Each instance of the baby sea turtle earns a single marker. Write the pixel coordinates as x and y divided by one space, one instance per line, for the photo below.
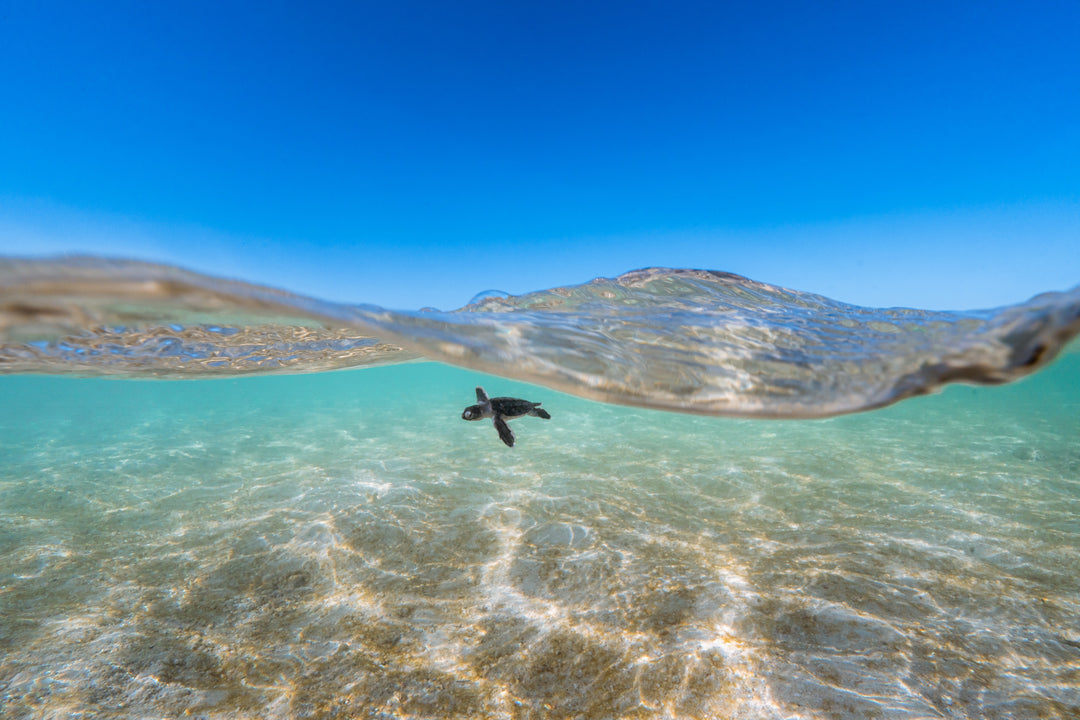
500 410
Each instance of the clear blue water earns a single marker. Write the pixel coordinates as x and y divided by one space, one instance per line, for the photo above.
343 544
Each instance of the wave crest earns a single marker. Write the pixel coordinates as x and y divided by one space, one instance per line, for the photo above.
685 340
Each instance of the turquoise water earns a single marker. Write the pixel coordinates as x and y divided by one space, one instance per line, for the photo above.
343 545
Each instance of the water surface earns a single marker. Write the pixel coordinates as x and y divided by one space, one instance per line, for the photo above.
342 544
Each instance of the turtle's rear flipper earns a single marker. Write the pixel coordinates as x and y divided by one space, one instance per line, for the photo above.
505 433
541 413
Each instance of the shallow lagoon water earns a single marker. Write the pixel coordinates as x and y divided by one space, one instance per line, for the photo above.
344 545
336 545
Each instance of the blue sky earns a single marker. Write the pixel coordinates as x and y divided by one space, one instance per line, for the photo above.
411 154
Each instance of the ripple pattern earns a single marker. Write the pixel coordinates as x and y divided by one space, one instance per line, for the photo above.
330 546
692 341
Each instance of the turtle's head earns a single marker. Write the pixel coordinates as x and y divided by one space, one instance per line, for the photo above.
473 412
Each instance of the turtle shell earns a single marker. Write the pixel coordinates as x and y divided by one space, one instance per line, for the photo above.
511 407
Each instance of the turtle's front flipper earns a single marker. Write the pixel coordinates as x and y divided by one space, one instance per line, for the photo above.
505 433
481 396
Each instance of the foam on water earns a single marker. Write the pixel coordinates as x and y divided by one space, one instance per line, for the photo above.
343 545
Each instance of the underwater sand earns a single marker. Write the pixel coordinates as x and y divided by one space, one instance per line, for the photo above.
343 545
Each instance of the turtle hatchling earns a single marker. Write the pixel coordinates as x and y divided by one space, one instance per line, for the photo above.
500 410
